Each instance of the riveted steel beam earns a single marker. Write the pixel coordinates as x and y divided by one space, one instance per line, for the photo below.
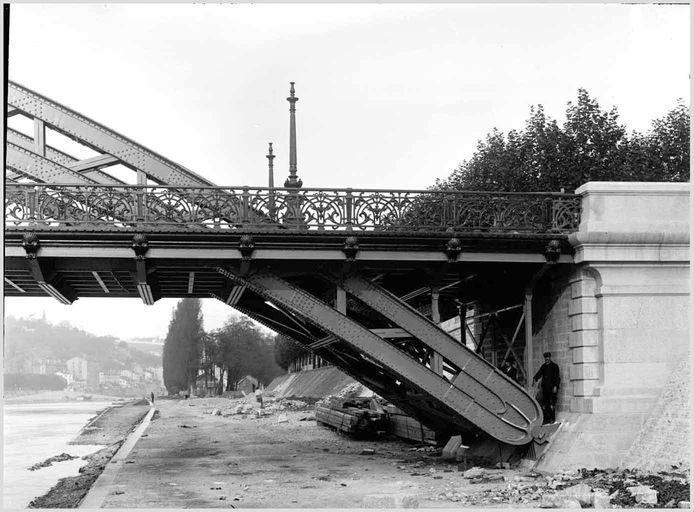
360 369
51 283
59 157
469 397
31 164
475 374
93 163
100 138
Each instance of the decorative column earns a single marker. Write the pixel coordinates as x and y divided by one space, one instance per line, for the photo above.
271 173
293 216
292 181
271 180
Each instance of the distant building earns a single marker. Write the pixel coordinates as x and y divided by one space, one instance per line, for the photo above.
127 374
77 367
157 372
66 376
248 384
110 379
93 374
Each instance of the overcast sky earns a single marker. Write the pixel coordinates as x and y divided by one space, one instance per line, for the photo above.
390 96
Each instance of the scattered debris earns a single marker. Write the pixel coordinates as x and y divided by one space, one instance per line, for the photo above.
368 451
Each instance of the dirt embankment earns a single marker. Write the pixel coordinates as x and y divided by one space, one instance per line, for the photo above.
110 427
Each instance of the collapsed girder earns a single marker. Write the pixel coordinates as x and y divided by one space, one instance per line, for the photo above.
476 393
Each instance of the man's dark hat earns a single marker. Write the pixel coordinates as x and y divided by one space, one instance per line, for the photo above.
547 354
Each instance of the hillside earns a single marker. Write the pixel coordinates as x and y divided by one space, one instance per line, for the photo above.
29 340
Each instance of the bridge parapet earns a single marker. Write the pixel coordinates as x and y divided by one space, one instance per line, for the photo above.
159 208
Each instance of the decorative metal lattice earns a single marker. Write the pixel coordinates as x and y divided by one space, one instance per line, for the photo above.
228 208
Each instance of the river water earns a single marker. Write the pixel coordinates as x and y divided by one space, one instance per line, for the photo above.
32 433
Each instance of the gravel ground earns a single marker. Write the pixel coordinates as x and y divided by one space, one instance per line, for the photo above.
198 453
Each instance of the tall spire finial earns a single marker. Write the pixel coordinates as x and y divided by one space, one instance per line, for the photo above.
292 181
271 173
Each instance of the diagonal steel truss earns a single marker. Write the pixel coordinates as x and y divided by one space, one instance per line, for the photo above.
477 394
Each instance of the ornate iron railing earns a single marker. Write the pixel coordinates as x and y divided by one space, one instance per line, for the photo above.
114 207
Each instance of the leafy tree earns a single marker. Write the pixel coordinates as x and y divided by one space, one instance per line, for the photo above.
240 349
33 381
287 350
182 346
591 146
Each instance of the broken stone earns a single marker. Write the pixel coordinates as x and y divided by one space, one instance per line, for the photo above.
216 412
580 492
390 501
683 504
473 472
558 501
368 451
601 500
451 447
282 418
644 494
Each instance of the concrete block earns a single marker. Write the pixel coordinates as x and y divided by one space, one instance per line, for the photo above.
584 321
583 305
584 338
585 355
585 371
398 500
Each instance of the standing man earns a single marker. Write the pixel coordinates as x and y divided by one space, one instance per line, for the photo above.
510 370
152 395
549 378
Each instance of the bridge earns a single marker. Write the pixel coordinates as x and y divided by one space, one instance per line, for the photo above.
360 277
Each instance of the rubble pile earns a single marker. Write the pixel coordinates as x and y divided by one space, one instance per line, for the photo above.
574 489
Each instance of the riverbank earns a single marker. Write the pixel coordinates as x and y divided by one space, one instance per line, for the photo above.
218 452
58 396
110 427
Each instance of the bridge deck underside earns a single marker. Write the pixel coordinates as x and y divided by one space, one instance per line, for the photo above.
382 334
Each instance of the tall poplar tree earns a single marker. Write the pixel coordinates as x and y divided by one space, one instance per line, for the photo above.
182 346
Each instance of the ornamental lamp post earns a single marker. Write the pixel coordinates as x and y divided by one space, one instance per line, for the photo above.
271 180
292 181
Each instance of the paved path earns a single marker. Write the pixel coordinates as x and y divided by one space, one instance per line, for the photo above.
103 485
189 459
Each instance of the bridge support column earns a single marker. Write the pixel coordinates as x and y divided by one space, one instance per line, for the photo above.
48 281
627 306
436 359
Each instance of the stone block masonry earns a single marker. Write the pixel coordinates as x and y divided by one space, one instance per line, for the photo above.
664 439
628 316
